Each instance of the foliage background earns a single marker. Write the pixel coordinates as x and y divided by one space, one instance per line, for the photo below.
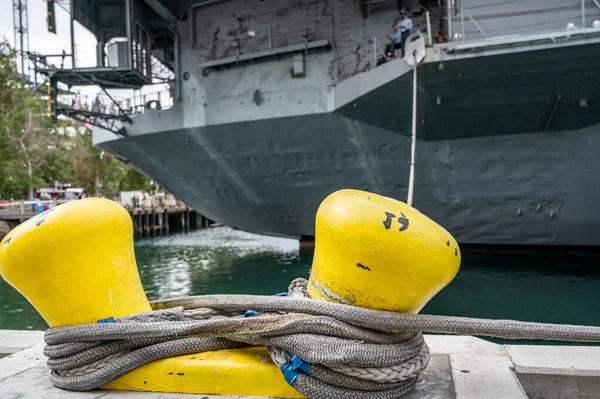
37 151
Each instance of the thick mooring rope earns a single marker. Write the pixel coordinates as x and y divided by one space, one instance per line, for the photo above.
325 350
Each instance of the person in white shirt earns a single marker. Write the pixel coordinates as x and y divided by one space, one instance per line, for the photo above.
402 29
405 26
395 44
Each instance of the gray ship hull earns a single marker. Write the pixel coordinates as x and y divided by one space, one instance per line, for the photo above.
269 176
507 152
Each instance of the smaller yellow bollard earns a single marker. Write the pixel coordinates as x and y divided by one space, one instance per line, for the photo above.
75 263
379 253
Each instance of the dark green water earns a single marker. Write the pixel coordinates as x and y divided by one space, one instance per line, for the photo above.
545 287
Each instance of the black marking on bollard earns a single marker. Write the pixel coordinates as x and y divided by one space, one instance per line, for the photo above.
388 221
403 221
363 267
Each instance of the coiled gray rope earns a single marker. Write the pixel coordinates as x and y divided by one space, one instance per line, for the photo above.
326 350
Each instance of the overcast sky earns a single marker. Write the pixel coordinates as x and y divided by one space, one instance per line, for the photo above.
40 40
43 42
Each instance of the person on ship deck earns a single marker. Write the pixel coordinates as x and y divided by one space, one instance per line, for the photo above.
402 28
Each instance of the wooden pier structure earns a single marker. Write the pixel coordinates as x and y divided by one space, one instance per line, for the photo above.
158 221
17 214
148 221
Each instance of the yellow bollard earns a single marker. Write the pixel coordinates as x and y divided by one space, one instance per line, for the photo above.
379 253
76 265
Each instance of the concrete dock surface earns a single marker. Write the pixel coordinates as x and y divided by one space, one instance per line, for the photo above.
461 367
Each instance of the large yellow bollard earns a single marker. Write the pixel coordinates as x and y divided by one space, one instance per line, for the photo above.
76 265
376 252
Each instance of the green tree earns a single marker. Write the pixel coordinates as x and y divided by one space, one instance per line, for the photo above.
36 150
101 173
28 135
25 126
135 181
8 79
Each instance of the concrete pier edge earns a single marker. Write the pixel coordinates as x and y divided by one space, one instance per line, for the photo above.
462 367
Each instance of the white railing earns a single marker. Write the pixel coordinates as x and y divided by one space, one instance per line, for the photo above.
115 105
376 50
467 18
464 11
247 41
25 206
583 15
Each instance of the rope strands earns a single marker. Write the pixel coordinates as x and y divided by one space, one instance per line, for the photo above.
325 350
371 252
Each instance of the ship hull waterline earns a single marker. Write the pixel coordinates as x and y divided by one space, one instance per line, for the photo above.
497 161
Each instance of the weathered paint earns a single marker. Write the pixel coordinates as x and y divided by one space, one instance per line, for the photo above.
379 253
247 371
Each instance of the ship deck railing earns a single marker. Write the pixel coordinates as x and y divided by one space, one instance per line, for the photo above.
99 104
489 20
519 40
247 46
266 53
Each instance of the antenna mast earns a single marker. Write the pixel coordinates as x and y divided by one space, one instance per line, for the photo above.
21 28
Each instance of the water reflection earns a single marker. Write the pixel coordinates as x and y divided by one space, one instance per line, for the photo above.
16 313
219 260
542 286
547 286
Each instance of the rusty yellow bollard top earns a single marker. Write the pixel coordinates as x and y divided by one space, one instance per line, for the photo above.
379 253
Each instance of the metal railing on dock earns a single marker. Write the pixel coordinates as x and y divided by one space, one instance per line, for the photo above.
17 212
148 221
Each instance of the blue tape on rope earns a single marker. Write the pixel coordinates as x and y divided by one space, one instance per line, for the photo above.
250 313
103 321
292 369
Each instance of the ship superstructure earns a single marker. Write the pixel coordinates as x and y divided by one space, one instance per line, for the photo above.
276 104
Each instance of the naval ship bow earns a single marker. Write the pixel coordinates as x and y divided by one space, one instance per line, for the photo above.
271 105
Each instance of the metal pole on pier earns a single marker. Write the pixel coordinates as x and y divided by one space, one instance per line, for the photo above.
413 148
